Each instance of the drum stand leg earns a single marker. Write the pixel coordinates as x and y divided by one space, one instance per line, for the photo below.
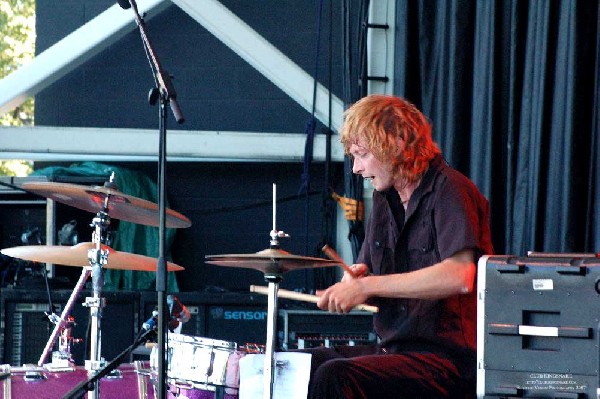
97 257
95 303
142 379
273 280
5 383
60 323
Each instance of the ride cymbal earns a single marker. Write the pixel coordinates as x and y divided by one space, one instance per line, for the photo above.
120 206
77 255
269 261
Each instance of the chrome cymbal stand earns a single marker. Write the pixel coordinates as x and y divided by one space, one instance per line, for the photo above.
97 258
273 276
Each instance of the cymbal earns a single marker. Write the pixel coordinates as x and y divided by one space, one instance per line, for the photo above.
269 261
77 255
120 206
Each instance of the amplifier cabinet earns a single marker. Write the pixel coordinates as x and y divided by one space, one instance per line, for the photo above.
230 316
301 329
537 333
25 328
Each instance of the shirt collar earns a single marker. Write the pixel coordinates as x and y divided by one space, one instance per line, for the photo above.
436 165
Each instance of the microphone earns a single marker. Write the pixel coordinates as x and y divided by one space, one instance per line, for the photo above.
178 314
177 310
28 235
125 4
67 235
152 322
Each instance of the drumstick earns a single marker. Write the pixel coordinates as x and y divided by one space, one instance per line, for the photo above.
259 289
331 254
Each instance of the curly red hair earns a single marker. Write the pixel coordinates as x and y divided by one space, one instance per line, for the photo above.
376 121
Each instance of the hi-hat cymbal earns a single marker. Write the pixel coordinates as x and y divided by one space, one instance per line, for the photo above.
77 255
269 261
120 206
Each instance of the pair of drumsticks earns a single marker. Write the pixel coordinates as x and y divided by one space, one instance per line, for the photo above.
330 252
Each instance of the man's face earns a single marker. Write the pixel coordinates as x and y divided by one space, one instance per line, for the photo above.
370 168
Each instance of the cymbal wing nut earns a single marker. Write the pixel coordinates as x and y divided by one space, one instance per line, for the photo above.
92 302
98 257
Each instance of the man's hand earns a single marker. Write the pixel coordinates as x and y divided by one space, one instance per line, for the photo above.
359 269
343 296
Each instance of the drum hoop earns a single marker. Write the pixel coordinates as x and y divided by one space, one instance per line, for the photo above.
201 341
183 384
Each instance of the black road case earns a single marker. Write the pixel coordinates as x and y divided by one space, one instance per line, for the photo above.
537 326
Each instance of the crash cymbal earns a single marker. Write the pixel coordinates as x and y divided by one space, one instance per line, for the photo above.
77 255
269 261
120 206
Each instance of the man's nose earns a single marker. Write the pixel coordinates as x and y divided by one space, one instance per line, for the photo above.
356 167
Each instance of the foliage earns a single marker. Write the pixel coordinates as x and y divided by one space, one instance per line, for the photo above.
15 168
17 48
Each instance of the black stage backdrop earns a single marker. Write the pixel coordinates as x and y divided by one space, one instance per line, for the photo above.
512 89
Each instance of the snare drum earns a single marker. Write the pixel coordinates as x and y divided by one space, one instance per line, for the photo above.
205 361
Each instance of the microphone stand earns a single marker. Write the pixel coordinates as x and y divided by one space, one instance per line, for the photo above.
166 92
88 385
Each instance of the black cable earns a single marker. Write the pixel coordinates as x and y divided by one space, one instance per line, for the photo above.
354 87
326 276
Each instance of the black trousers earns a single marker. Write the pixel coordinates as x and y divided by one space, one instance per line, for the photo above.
348 372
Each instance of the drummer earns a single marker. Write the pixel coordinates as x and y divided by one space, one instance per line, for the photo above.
428 227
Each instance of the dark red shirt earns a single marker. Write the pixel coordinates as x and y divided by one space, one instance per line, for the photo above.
446 214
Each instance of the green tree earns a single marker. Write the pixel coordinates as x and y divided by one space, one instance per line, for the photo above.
17 48
15 168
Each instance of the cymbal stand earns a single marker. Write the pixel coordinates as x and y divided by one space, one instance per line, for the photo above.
273 277
101 235
97 258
